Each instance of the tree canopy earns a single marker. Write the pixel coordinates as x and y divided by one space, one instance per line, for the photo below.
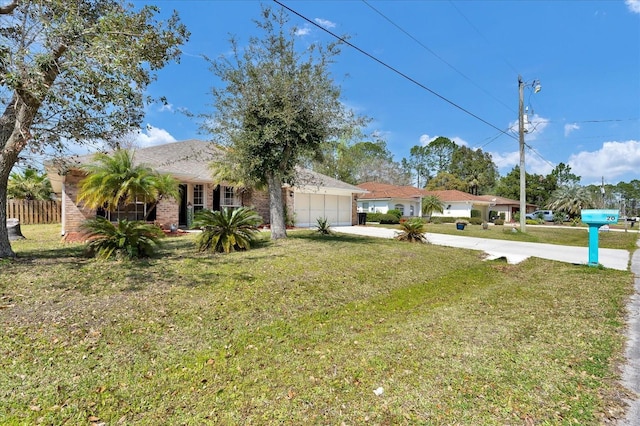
115 180
29 185
276 107
74 72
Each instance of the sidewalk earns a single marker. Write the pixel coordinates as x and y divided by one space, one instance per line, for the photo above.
513 251
516 252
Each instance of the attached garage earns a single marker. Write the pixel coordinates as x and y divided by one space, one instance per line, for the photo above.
308 207
320 196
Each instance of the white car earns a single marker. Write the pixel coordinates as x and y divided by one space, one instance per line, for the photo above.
546 215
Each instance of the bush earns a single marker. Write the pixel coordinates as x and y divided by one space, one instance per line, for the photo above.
499 221
442 219
503 216
227 230
373 217
124 240
475 221
396 213
322 226
559 217
476 213
413 231
386 219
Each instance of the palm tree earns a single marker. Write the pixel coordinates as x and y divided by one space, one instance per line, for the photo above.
29 185
227 230
413 231
431 204
115 180
123 240
571 199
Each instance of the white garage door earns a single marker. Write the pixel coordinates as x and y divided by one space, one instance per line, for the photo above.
310 207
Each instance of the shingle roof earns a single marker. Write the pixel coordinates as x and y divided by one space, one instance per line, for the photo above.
379 191
501 201
189 161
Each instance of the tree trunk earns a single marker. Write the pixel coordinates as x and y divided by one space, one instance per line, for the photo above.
14 135
276 207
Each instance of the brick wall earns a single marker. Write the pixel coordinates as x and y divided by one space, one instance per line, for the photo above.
167 212
73 215
354 209
259 200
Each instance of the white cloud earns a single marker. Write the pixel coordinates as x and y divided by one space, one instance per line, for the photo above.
325 23
535 127
303 31
612 160
532 163
152 136
459 141
426 140
568 128
633 5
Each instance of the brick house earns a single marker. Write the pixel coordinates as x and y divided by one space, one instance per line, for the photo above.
314 195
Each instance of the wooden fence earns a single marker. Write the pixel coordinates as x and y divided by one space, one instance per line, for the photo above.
30 212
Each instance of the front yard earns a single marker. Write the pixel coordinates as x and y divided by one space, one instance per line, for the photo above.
303 331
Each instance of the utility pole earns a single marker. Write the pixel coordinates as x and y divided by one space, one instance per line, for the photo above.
521 131
523 174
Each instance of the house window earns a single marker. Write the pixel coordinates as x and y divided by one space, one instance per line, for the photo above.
399 207
411 210
230 197
365 207
133 211
198 197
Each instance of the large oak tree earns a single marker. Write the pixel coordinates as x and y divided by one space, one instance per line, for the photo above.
275 108
75 71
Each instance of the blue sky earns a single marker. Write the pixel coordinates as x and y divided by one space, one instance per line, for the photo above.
466 57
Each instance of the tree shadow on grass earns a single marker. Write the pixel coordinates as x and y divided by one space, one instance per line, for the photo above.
334 238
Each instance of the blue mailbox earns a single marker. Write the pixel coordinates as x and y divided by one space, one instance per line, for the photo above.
596 218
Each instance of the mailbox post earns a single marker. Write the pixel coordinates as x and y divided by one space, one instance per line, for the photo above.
596 218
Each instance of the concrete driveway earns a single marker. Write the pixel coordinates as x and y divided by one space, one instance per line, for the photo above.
513 251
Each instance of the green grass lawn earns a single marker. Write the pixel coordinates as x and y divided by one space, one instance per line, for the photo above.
302 331
569 236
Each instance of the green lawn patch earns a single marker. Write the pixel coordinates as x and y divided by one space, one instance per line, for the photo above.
302 331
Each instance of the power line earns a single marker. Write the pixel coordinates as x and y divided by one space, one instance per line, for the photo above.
405 76
486 92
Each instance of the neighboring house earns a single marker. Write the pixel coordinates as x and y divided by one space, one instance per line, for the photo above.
383 197
507 206
315 195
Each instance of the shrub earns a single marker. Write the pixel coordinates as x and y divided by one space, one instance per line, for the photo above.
503 216
386 219
373 217
227 230
413 230
559 217
322 226
499 221
475 221
476 213
442 219
396 213
123 240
